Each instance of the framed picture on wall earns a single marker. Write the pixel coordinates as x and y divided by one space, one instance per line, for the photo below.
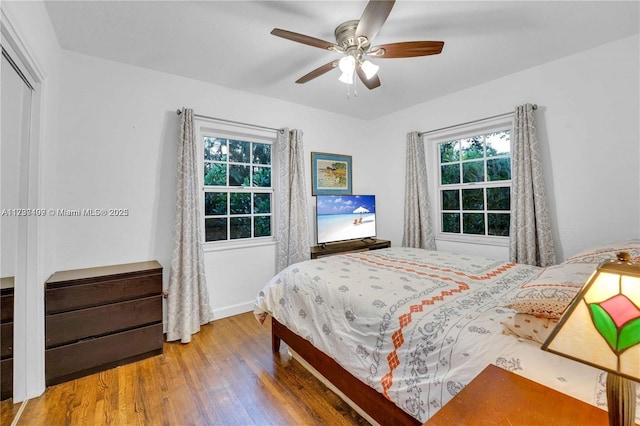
330 174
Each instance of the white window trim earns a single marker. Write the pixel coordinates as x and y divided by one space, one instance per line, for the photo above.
431 141
205 127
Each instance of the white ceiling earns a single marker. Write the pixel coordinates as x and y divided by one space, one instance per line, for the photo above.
228 43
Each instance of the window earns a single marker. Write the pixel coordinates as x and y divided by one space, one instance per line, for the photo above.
474 185
237 187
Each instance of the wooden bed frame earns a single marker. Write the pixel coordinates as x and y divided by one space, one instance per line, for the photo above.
372 402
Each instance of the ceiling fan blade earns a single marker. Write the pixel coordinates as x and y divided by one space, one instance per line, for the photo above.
318 72
407 49
373 17
304 39
371 83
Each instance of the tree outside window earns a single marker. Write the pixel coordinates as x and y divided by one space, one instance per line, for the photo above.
238 189
475 185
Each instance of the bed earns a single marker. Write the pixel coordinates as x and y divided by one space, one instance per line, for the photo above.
401 331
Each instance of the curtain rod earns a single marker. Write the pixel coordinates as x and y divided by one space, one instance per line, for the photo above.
471 122
240 123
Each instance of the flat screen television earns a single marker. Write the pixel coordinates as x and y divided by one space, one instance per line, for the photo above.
345 217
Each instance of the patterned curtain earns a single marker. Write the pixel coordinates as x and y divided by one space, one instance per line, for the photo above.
531 240
418 231
293 228
188 302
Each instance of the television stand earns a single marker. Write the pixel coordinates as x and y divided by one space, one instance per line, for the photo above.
330 249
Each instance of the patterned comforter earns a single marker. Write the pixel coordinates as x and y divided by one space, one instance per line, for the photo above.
417 325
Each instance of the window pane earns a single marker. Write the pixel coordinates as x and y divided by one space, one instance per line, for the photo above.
473 199
215 229
262 203
474 166
449 151
261 153
240 227
215 149
450 173
451 222
473 171
239 151
499 198
237 197
215 203
499 169
262 226
473 223
498 143
215 174
451 199
472 148
262 177
240 202
238 175
498 224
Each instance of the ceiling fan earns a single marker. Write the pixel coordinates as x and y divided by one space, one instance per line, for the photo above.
353 39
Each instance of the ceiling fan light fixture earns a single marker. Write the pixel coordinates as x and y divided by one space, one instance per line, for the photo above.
346 77
369 68
354 39
347 65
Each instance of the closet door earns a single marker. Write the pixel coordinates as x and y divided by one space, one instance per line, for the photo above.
16 111
14 186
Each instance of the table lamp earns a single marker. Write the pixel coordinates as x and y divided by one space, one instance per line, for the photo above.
601 328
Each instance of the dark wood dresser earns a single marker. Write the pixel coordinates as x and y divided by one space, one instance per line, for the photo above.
99 318
6 338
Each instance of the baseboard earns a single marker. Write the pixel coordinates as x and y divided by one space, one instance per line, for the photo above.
224 312
229 311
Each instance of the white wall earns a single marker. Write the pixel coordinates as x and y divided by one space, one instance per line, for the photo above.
588 109
118 150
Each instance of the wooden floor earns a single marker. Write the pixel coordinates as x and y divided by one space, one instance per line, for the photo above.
227 375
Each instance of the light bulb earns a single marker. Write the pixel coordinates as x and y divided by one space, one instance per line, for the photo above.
347 64
369 68
346 77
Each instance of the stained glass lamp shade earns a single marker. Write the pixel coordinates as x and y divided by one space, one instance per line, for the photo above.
601 328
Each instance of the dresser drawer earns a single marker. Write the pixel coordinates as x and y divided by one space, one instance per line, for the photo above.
86 357
6 378
6 306
62 298
69 327
6 340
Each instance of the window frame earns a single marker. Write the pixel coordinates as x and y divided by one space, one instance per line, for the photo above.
211 128
432 141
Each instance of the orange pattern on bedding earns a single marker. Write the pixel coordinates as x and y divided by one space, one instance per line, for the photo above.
405 319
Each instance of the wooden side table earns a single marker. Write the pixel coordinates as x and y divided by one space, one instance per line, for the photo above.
499 397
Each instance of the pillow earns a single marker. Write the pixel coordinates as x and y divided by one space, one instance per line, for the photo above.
529 327
548 294
607 251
